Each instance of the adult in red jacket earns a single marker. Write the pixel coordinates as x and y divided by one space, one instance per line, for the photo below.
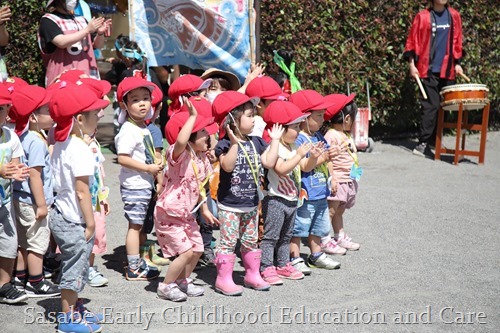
434 50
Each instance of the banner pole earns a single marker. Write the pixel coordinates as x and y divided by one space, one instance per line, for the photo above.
131 21
251 22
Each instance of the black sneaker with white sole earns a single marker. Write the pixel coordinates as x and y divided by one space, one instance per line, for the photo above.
42 289
10 295
421 149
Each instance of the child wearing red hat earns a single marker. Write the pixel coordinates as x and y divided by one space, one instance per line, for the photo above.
268 91
75 109
241 159
139 166
312 220
148 248
10 168
344 169
188 170
280 205
33 197
185 86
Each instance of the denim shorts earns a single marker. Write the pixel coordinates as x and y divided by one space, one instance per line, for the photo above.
75 251
8 233
312 219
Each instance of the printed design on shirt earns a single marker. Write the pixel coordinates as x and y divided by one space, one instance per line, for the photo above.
288 186
148 144
242 181
5 184
443 26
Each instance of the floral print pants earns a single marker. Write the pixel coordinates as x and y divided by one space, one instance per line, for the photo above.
234 226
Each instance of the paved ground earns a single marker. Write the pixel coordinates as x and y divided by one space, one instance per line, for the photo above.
429 263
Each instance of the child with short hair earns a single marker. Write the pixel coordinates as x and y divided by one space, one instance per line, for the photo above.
344 168
148 248
280 205
188 170
136 155
268 91
241 159
10 168
33 197
75 109
312 220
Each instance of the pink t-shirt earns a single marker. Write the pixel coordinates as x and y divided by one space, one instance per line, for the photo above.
182 181
342 163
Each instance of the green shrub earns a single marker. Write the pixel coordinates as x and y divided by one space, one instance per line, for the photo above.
23 55
336 42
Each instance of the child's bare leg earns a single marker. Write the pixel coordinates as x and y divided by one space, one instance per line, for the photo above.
133 238
6 266
22 259
68 300
191 265
176 269
295 247
314 243
338 220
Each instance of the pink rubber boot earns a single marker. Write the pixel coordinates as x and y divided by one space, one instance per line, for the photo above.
251 261
224 283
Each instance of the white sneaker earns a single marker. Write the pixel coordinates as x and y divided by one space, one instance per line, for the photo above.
187 287
170 292
323 262
300 265
96 279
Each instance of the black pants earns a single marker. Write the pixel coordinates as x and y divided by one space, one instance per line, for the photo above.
430 106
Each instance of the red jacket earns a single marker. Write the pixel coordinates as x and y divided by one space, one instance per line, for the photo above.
419 40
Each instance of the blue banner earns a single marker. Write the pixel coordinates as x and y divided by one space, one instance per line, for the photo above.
198 33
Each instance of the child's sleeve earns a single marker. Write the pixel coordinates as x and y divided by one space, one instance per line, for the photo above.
36 154
222 147
83 162
260 144
125 142
17 148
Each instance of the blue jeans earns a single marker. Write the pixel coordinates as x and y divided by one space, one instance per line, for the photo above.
312 219
75 251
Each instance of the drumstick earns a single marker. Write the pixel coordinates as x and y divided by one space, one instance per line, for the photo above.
420 86
464 76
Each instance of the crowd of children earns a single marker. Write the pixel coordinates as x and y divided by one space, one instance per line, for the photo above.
237 156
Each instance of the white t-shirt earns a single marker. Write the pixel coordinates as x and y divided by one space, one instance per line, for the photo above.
258 126
71 159
130 141
288 186
10 147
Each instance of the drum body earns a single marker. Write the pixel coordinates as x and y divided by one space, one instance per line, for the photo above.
472 96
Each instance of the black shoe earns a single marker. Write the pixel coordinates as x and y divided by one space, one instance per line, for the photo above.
10 295
51 266
420 149
207 259
18 284
42 289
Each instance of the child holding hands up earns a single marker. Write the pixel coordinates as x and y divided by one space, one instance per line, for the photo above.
241 159
188 170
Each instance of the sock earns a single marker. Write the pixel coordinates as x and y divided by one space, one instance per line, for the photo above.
179 281
315 255
35 279
338 236
21 275
326 239
133 261
293 258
